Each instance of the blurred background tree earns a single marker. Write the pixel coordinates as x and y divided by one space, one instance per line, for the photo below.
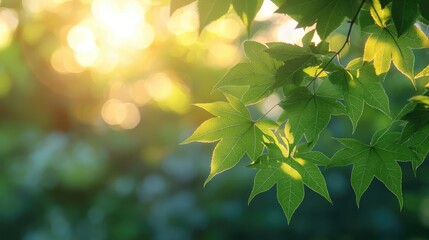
95 96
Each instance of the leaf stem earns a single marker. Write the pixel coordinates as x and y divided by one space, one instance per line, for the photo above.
337 53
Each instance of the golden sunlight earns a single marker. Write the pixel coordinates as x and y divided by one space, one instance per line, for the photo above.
8 23
123 114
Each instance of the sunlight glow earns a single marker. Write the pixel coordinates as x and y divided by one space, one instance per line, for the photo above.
266 11
81 39
269 104
184 20
286 168
118 113
8 23
139 92
63 61
223 55
37 6
159 87
288 32
123 23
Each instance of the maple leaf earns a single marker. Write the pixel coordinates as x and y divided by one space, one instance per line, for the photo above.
309 113
247 10
328 14
360 84
290 174
383 46
237 133
210 10
377 159
254 80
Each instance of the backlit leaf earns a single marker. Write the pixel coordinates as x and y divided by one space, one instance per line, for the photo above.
378 159
309 113
237 133
210 10
247 10
383 46
290 174
328 14
254 80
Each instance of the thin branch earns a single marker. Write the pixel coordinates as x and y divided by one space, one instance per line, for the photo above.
343 46
271 109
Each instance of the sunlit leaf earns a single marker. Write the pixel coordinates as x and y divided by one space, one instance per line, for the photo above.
290 174
210 10
360 84
328 14
378 159
423 73
309 113
383 46
237 133
247 10
254 80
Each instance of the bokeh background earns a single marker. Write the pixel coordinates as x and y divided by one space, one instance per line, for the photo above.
95 97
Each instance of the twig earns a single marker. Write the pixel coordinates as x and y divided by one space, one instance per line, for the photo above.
343 46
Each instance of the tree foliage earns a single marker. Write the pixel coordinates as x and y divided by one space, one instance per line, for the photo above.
315 87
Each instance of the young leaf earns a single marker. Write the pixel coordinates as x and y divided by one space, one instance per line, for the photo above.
252 81
404 14
210 10
376 160
237 133
383 47
176 4
247 10
328 14
309 113
290 174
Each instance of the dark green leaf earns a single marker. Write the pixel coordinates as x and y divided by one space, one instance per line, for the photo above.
404 14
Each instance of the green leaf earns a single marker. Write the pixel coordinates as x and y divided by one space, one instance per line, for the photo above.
424 9
176 4
265 179
360 84
247 10
376 160
285 52
290 174
308 113
252 81
379 13
423 73
420 142
210 10
383 46
328 14
237 133
384 3
404 14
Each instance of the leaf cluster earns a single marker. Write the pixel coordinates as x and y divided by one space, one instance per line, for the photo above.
315 87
